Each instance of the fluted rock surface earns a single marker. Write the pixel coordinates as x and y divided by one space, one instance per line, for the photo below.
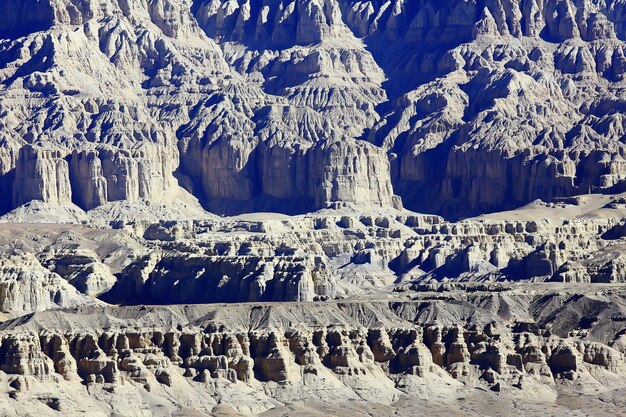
342 309
128 121
497 103
26 286
457 107
255 358
131 102
331 254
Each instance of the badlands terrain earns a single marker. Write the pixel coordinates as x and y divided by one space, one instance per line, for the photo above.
312 207
370 312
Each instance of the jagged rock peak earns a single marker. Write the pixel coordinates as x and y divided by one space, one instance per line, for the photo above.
249 106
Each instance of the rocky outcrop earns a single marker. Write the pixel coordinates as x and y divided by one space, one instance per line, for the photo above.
507 250
326 255
82 268
264 106
110 174
112 113
288 180
378 305
605 266
312 353
184 278
220 136
93 178
41 175
476 141
26 286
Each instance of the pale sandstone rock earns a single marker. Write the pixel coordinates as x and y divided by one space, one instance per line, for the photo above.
466 107
25 285
203 94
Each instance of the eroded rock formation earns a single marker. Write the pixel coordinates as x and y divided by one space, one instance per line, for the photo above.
307 348
458 108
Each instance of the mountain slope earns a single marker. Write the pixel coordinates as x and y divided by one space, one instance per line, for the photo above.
292 106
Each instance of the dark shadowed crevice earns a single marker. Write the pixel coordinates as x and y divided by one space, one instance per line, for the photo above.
21 17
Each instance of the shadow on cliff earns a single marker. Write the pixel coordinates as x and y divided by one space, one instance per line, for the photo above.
41 61
251 175
19 18
6 191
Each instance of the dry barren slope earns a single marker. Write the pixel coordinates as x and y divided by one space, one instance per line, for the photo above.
457 107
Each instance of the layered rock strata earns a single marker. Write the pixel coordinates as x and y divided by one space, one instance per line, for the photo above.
311 349
321 256
458 108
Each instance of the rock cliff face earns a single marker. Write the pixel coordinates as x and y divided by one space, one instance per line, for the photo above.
321 256
132 102
282 356
336 308
311 259
509 110
457 108
26 286
184 353
126 126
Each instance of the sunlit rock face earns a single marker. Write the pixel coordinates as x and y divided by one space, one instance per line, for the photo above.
497 103
130 131
456 107
110 101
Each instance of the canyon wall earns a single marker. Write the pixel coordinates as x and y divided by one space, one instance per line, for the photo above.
456 108
253 358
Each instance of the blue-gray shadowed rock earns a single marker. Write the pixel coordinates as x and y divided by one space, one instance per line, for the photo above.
205 207
458 108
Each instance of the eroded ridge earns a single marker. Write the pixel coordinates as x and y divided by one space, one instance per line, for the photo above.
374 351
